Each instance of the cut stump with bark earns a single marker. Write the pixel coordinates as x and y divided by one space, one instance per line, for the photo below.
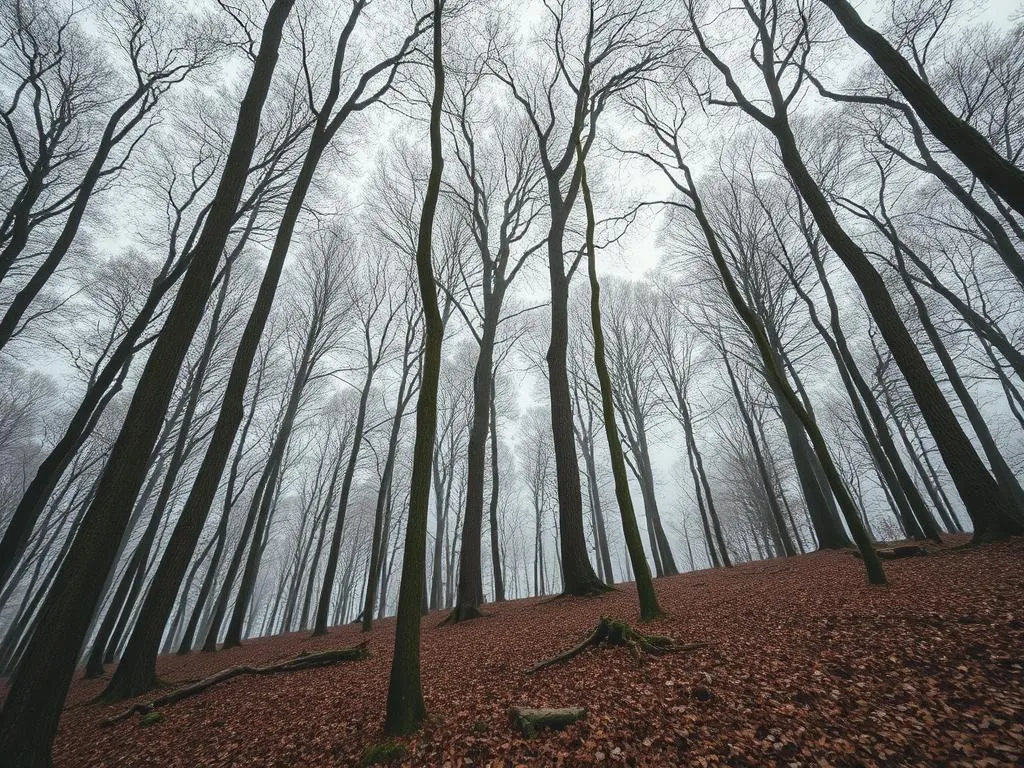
614 632
304 660
528 721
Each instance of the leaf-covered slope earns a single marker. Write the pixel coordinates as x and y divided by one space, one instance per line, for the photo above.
806 665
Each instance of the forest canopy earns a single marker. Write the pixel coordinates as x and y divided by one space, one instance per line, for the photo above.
317 313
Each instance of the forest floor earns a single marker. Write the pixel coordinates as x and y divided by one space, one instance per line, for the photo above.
807 666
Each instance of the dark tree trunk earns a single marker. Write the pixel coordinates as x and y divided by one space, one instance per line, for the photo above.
705 501
873 565
977 488
380 509
603 555
962 139
33 705
405 707
762 468
324 604
578 576
649 608
913 512
470 594
499 579
1010 488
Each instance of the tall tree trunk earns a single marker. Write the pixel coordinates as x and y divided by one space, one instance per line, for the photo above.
762 467
36 694
649 608
913 511
125 600
380 509
578 576
959 136
1010 488
323 606
405 707
872 563
708 514
977 488
471 585
496 561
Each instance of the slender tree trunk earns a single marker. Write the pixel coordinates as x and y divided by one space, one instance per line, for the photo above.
913 512
649 608
471 586
709 515
1013 495
35 697
405 707
872 563
977 488
762 467
496 561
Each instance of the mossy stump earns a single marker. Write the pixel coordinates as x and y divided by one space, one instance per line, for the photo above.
528 721
385 753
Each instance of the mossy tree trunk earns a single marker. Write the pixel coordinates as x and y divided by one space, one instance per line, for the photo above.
405 707
32 709
649 607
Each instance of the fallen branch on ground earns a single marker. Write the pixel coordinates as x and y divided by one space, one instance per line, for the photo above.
615 632
304 660
903 550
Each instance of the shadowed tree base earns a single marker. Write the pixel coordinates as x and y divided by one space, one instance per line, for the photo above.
463 613
589 588
999 530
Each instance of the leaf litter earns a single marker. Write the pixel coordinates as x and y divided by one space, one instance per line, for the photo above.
806 665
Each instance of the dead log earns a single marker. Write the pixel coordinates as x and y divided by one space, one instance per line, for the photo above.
304 660
903 550
528 721
613 632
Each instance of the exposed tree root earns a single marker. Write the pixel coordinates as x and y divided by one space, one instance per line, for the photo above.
615 632
589 589
303 660
529 721
898 551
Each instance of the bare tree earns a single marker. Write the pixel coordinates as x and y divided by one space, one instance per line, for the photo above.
162 48
781 34
405 707
599 48
41 681
498 195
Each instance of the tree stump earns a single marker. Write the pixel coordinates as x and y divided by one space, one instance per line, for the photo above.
528 721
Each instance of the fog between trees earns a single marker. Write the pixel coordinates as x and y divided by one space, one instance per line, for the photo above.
313 313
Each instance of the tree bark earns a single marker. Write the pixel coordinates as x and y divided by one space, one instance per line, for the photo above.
649 608
959 136
405 707
33 705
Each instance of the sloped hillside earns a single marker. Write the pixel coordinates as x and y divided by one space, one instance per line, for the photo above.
806 666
